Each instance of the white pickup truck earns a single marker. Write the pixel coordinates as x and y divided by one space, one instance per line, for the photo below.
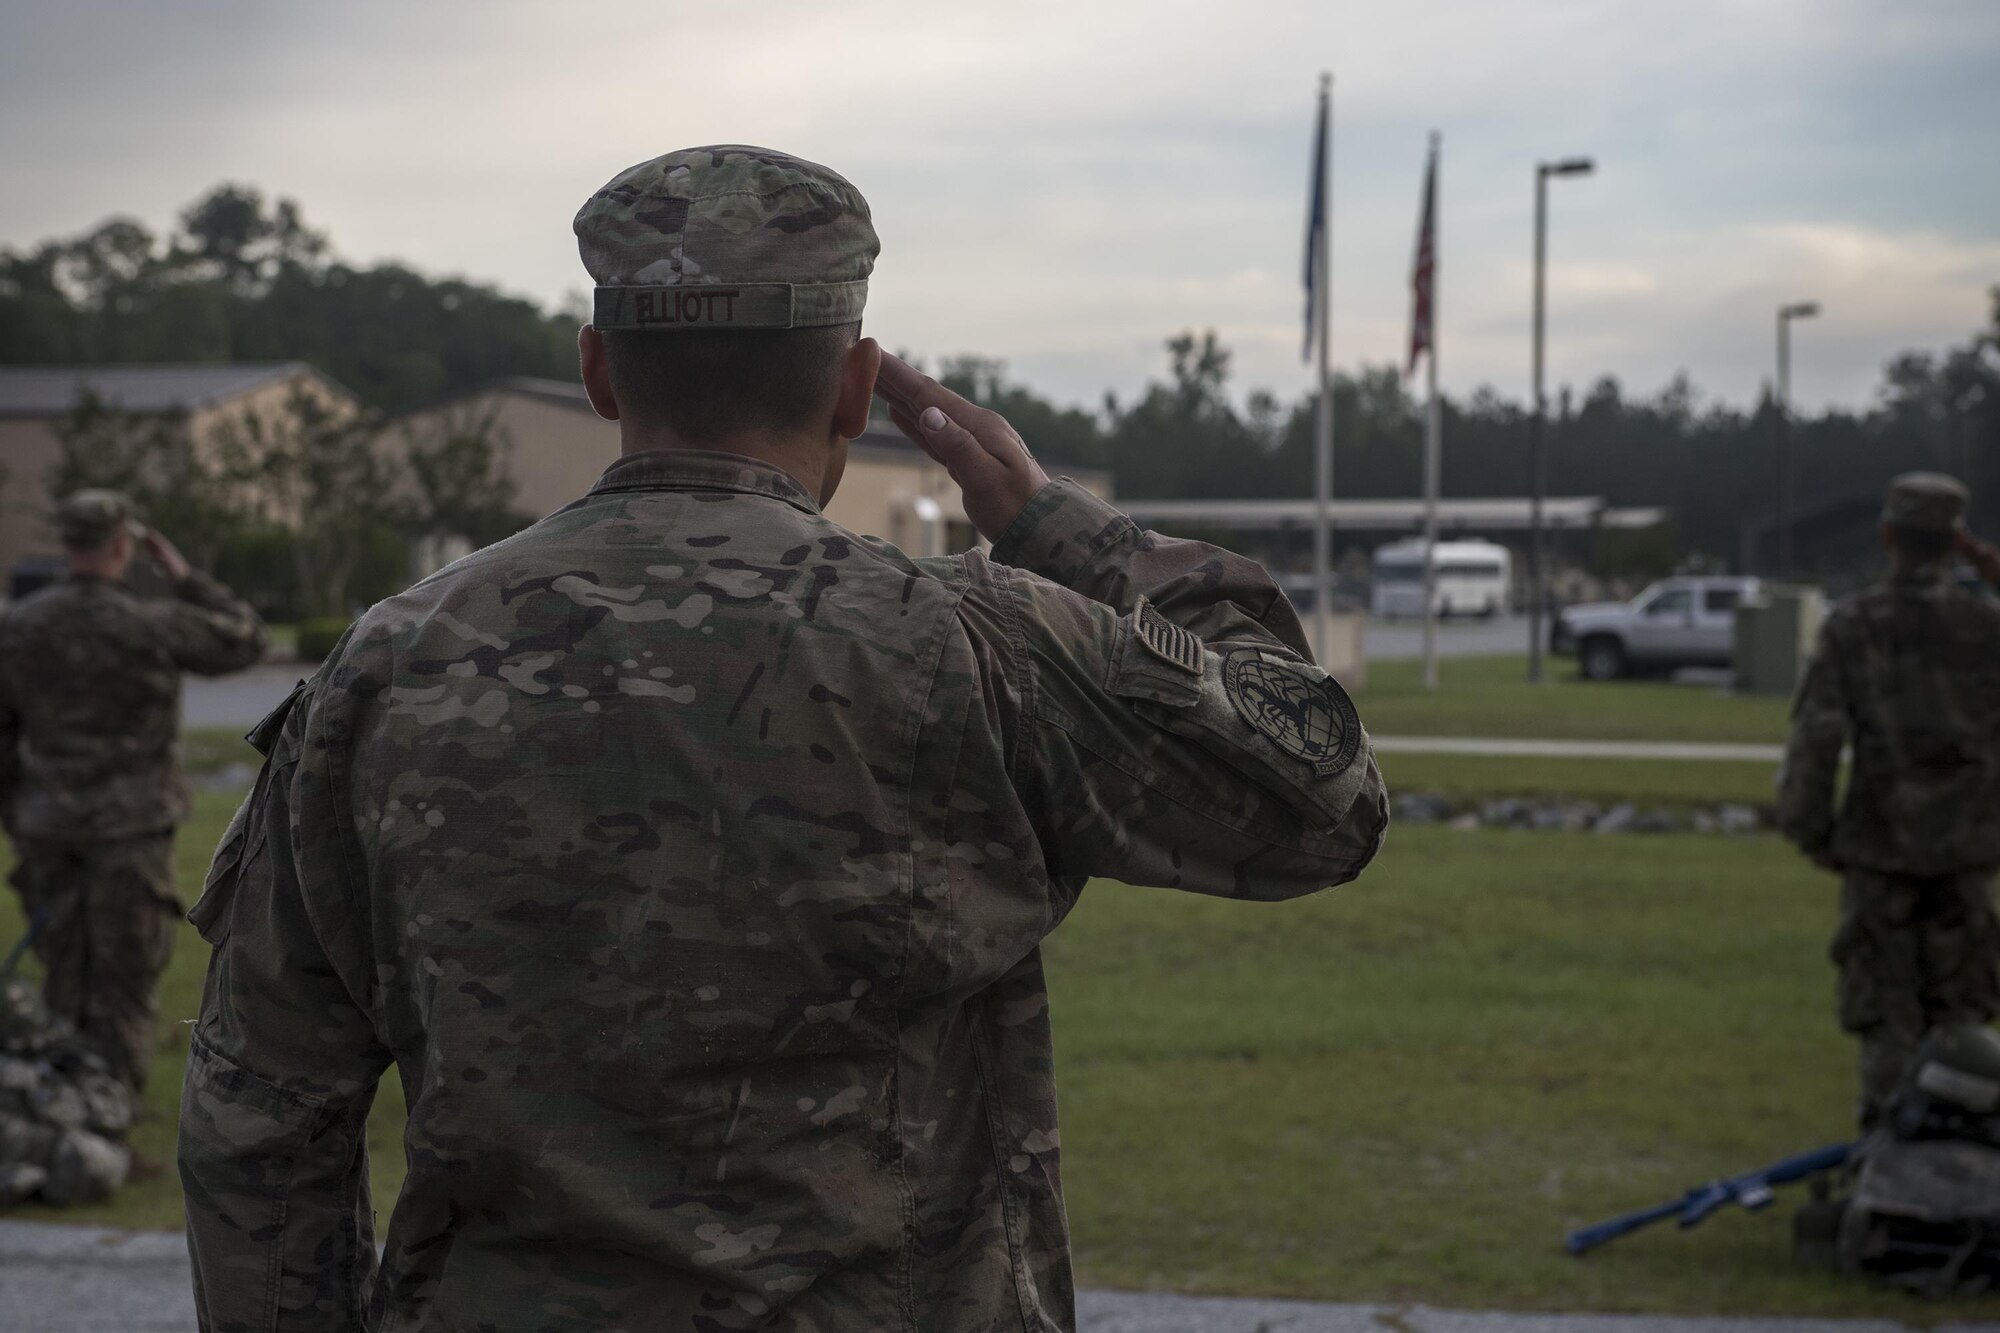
1677 622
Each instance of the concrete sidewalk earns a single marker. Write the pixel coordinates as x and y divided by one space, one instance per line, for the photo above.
65 1279
1541 749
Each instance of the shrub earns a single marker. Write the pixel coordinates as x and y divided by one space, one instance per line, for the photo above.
318 637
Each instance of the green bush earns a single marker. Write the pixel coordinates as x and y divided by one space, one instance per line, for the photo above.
255 560
317 638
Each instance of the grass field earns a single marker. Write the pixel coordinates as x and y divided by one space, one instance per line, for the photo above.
1643 781
1490 696
1407 1090
153 1198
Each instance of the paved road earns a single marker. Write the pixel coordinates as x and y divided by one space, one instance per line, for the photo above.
1403 640
238 701
64 1279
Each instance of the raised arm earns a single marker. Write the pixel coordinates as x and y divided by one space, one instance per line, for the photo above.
207 629
1168 725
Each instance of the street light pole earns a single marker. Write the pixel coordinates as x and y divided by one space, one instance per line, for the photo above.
1538 463
1786 314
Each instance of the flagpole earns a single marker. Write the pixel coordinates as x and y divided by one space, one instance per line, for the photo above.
1323 425
1433 441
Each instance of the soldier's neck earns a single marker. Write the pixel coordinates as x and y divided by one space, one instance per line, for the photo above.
1904 570
96 565
806 461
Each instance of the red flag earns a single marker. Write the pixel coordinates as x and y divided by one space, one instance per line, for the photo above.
1423 273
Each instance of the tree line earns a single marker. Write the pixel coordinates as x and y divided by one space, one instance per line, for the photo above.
244 278
1713 466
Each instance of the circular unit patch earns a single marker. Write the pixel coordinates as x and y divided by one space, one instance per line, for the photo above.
1309 718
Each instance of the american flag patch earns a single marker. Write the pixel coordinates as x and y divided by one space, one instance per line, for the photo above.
1168 641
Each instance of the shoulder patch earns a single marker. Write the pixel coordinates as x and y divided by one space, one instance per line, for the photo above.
1304 714
1169 642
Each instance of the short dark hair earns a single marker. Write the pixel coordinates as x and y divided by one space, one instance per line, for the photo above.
711 385
1923 546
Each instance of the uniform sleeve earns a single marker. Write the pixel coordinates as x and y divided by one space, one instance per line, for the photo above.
1070 537
1173 730
1812 750
208 629
282 1066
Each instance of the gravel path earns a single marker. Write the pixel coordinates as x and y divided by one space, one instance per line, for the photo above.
66 1279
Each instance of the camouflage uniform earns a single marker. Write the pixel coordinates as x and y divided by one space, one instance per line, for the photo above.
1908 672
689 856
91 787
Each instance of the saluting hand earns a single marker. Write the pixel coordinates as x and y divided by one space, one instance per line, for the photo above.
167 556
1984 556
983 454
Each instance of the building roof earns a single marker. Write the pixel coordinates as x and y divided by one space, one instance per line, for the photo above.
51 391
1499 513
880 437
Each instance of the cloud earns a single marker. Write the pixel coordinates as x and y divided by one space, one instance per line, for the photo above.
1064 185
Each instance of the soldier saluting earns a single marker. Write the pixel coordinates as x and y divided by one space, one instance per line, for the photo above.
90 782
1908 673
690 855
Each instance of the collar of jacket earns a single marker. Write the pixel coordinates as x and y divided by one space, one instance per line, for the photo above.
702 470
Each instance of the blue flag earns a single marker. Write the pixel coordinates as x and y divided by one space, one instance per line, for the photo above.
1315 223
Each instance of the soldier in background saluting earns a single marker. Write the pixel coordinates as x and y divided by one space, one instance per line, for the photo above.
1908 672
90 778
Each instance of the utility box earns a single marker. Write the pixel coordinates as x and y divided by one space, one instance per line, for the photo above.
1775 633
1342 652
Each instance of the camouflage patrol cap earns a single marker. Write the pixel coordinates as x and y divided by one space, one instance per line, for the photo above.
1925 502
92 518
727 237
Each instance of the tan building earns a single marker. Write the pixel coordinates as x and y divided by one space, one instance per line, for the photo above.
34 400
551 443
556 446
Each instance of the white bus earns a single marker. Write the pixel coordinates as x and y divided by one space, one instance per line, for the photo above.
1473 578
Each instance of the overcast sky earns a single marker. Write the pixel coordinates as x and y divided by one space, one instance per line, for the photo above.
1063 185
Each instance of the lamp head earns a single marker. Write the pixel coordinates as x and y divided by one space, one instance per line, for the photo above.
1569 166
1799 310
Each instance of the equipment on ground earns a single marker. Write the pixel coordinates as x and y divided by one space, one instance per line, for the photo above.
1924 1209
1915 1203
63 1114
1953 1091
1752 1191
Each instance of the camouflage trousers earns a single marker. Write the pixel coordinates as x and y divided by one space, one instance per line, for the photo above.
1912 952
111 917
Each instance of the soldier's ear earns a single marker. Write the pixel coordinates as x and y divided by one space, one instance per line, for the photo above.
596 367
858 367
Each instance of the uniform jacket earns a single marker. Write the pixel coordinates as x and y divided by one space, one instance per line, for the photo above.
90 702
689 856
1908 672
